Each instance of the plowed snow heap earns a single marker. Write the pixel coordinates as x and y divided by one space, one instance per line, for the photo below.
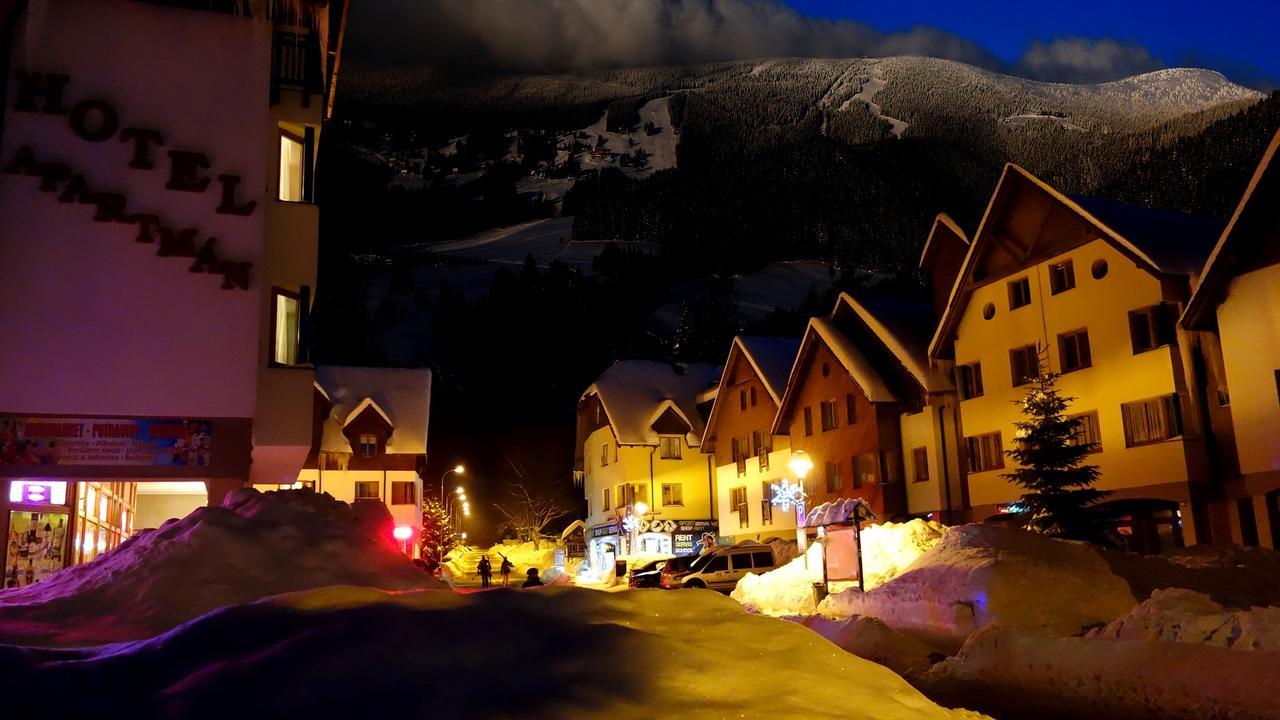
255 545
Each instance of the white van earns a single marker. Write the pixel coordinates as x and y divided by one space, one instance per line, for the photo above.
722 569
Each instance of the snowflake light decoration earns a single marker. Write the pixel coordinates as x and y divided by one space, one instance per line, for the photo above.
785 495
631 523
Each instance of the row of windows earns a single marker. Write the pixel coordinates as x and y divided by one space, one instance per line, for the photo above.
745 396
1062 277
1145 421
1149 328
738 504
625 495
864 472
670 447
758 445
403 492
829 412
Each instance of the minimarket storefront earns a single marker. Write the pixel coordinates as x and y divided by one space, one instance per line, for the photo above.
608 541
72 488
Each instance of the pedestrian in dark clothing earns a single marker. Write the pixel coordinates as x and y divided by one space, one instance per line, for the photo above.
505 570
486 572
533 579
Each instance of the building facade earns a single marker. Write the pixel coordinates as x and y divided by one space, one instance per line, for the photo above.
1237 307
648 487
749 460
158 243
370 440
1089 289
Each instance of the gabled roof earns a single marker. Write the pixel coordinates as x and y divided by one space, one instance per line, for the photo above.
1228 251
847 354
635 393
941 223
904 327
401 396
770 357
1161 241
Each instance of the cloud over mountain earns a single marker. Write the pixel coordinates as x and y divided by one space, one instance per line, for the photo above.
1082 60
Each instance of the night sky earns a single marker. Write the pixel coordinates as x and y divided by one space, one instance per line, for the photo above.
1238 39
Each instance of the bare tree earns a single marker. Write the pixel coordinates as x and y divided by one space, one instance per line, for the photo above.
528 513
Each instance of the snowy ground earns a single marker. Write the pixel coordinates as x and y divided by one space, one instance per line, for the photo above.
545 653
542 239
659 149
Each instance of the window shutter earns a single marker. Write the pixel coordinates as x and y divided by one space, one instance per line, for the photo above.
1082 341
1138 331
1165 324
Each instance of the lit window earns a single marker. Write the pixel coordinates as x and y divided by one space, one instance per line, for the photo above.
985 452
286 327
669 447
292 152
367 490
1151 420
368 444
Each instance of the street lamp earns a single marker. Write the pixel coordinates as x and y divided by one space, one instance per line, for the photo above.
800 465
457 469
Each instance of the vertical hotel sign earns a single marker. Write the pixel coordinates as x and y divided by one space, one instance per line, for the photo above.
72 442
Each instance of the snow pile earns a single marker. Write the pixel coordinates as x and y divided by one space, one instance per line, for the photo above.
255 545
887 550
979 574
870 639
1186 616
1232 574
507 653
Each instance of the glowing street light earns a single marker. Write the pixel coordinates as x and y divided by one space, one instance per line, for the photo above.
403 533
800 464
457 470
641 508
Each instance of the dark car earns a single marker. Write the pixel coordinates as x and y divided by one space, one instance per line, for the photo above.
648 575
675 568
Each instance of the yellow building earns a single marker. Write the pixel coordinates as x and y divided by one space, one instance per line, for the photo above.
1238 302
1092 289
638 431
749 459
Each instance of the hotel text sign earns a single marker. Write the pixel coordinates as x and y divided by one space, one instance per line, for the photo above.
104 441
97 121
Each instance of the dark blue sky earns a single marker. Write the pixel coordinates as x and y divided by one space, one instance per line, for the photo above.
1239 39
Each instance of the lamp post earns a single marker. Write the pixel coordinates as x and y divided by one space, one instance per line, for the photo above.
800 465
459 469
459 493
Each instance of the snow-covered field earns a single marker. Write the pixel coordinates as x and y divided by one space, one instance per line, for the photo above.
545 653
511 245
659 148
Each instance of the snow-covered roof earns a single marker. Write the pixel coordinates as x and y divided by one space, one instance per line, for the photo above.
836 511
847 354
772 357
635 393
401 395
942 222
905 328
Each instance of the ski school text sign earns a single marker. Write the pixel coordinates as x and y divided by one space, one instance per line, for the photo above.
98 121
104 441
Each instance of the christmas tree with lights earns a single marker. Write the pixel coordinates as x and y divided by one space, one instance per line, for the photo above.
1059 486
438 536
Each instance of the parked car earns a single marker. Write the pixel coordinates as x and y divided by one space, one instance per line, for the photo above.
722 569
648 575
676 567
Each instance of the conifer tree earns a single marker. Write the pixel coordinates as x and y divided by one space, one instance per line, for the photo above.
1059 486
438 537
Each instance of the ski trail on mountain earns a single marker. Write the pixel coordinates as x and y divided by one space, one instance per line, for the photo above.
873 85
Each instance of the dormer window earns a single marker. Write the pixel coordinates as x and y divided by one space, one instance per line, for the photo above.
669 447
368 445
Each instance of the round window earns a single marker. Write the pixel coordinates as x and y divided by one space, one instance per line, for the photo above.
826 369
988 311
1099 269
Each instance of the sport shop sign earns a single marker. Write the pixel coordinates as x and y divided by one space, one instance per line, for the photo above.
97 121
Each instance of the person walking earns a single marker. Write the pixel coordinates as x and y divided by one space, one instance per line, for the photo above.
532 579
505 570
486 572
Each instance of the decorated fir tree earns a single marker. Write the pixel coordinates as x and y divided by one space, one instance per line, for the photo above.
438 536
1059 486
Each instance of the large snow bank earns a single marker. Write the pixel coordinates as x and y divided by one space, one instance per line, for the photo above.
979 574
871 639
887 550
255 545
545 653
1185 616
1013 672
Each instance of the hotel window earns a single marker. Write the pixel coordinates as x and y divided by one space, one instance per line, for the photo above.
834 482
1019 293
830 421
1024 364
808 421
296 151
286 327
368 444
1151 327
607 496
672 494
403 492
970 380
753 396
1087 432
1062 277
920 464
669 447
1073 350
604 455
1151 420
367 490
985 452
766 503
864 470
850 408
738 500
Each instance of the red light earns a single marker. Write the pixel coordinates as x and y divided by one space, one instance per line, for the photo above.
402 533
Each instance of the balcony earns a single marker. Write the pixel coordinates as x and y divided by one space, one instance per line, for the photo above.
295 64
